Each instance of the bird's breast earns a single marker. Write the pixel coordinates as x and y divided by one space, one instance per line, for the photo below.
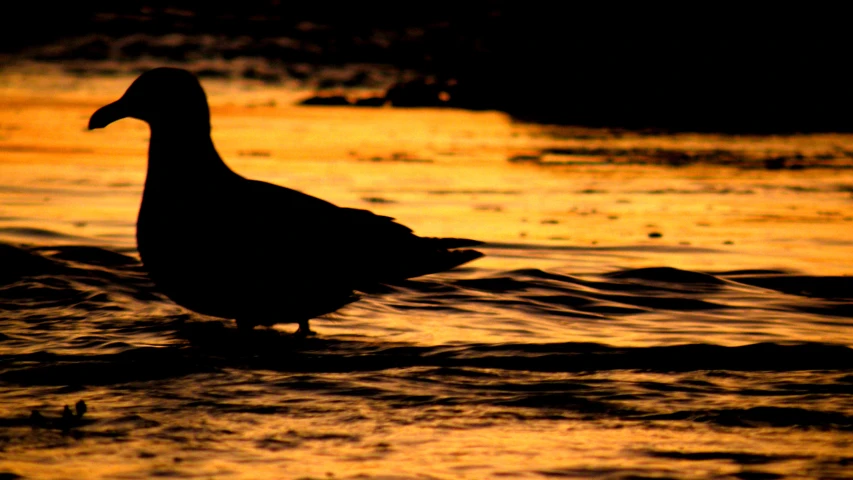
179 227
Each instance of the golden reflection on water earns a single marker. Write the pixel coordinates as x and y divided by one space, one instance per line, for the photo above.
442 172
359 438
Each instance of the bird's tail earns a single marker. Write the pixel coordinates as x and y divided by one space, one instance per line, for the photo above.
433 255
455 258
441 256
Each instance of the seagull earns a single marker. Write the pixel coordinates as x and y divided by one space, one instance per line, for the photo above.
226 246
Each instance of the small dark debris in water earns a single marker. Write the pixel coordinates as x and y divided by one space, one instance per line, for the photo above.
474 192
377 200
684 243
269 103
549 221
405 157
655 235
777 163
522 234
801 189
590 191
144 454
254 153
36 418
728 242
489 208
613 217
525 159
79 224
397 157
67 421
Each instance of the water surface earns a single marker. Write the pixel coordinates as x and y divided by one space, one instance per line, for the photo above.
651 305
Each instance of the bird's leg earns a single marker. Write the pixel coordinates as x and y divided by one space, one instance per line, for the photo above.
304 330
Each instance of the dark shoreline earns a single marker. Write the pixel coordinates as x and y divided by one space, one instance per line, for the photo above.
705 71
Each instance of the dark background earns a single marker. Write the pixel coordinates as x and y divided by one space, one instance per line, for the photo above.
713 67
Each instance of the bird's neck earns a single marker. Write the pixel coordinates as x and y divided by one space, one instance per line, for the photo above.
185 157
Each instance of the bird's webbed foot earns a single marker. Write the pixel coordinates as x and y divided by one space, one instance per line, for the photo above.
304 330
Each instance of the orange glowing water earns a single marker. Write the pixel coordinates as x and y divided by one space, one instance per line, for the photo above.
443 172
559 199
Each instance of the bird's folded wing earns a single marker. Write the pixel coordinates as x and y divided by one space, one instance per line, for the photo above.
345 242
377 224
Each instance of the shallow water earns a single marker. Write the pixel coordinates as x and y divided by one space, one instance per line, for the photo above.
651 305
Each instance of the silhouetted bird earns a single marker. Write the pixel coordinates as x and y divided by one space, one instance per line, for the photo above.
223 245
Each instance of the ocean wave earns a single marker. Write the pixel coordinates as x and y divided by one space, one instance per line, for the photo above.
86 315
653 306
84 324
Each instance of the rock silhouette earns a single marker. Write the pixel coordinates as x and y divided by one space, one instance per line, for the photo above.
223 245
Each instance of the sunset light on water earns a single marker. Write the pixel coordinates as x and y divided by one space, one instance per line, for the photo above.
652 303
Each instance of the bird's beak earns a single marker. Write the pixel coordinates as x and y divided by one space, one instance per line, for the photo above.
109 114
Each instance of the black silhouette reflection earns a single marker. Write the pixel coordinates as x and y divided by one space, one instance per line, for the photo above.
223 245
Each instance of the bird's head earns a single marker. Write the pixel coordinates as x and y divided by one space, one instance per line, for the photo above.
167 97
